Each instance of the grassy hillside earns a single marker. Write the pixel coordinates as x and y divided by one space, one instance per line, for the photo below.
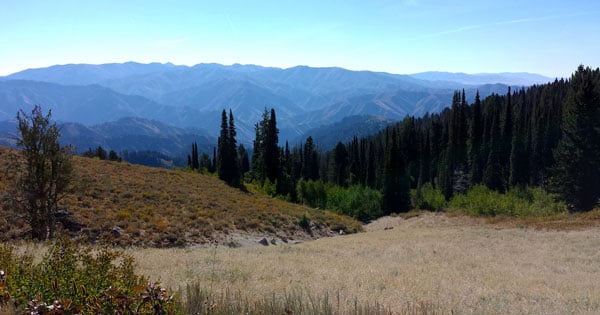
158 207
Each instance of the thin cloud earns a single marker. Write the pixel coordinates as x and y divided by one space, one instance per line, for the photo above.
507 22
232 27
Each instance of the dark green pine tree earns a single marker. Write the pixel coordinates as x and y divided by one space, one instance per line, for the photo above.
223 150
213 168
435 149
371 166
232 155
355 173
271 149
396 184
244 159
113 156
506 138
492 174
310 160
445 175
445 164
476 159
101 153
205 163
195 158
576 175
258 158
338 168
518 175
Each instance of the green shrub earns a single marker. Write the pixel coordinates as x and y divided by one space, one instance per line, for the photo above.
269 188
524 202
357 201
304 222
80 280
429 198
312 193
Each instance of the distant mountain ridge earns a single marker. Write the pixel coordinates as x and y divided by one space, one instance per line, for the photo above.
508 78
303 97
125 134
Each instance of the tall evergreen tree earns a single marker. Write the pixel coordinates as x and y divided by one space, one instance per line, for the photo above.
272 148
396 184
310 162
205 163
258 158
577 170
194 159
476 160
232 154
518 174
506 131
228 166
223 149
244 159
338 169
492 174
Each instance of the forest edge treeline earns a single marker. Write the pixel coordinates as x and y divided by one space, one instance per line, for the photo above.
546 137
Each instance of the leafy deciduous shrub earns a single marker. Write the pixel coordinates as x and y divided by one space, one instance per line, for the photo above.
312 193
357 201
525 202
429 198
72 279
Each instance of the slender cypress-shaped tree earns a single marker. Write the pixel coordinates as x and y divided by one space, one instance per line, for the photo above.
233 163
223 148
271 149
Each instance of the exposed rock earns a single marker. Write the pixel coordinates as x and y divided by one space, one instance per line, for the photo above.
116 231
67 220
273 241
283 238
233 244
264 242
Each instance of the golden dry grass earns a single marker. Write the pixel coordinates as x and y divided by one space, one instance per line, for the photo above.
159 207
453 263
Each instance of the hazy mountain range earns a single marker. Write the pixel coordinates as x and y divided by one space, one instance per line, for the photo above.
94 99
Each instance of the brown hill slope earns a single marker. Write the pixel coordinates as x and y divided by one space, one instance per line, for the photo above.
158 207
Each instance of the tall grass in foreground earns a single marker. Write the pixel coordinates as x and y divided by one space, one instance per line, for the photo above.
73 279
523 202
201 301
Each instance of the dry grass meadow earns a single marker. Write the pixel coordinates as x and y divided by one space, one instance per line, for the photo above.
449 264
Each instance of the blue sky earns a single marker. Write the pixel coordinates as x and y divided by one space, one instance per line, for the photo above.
398 36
